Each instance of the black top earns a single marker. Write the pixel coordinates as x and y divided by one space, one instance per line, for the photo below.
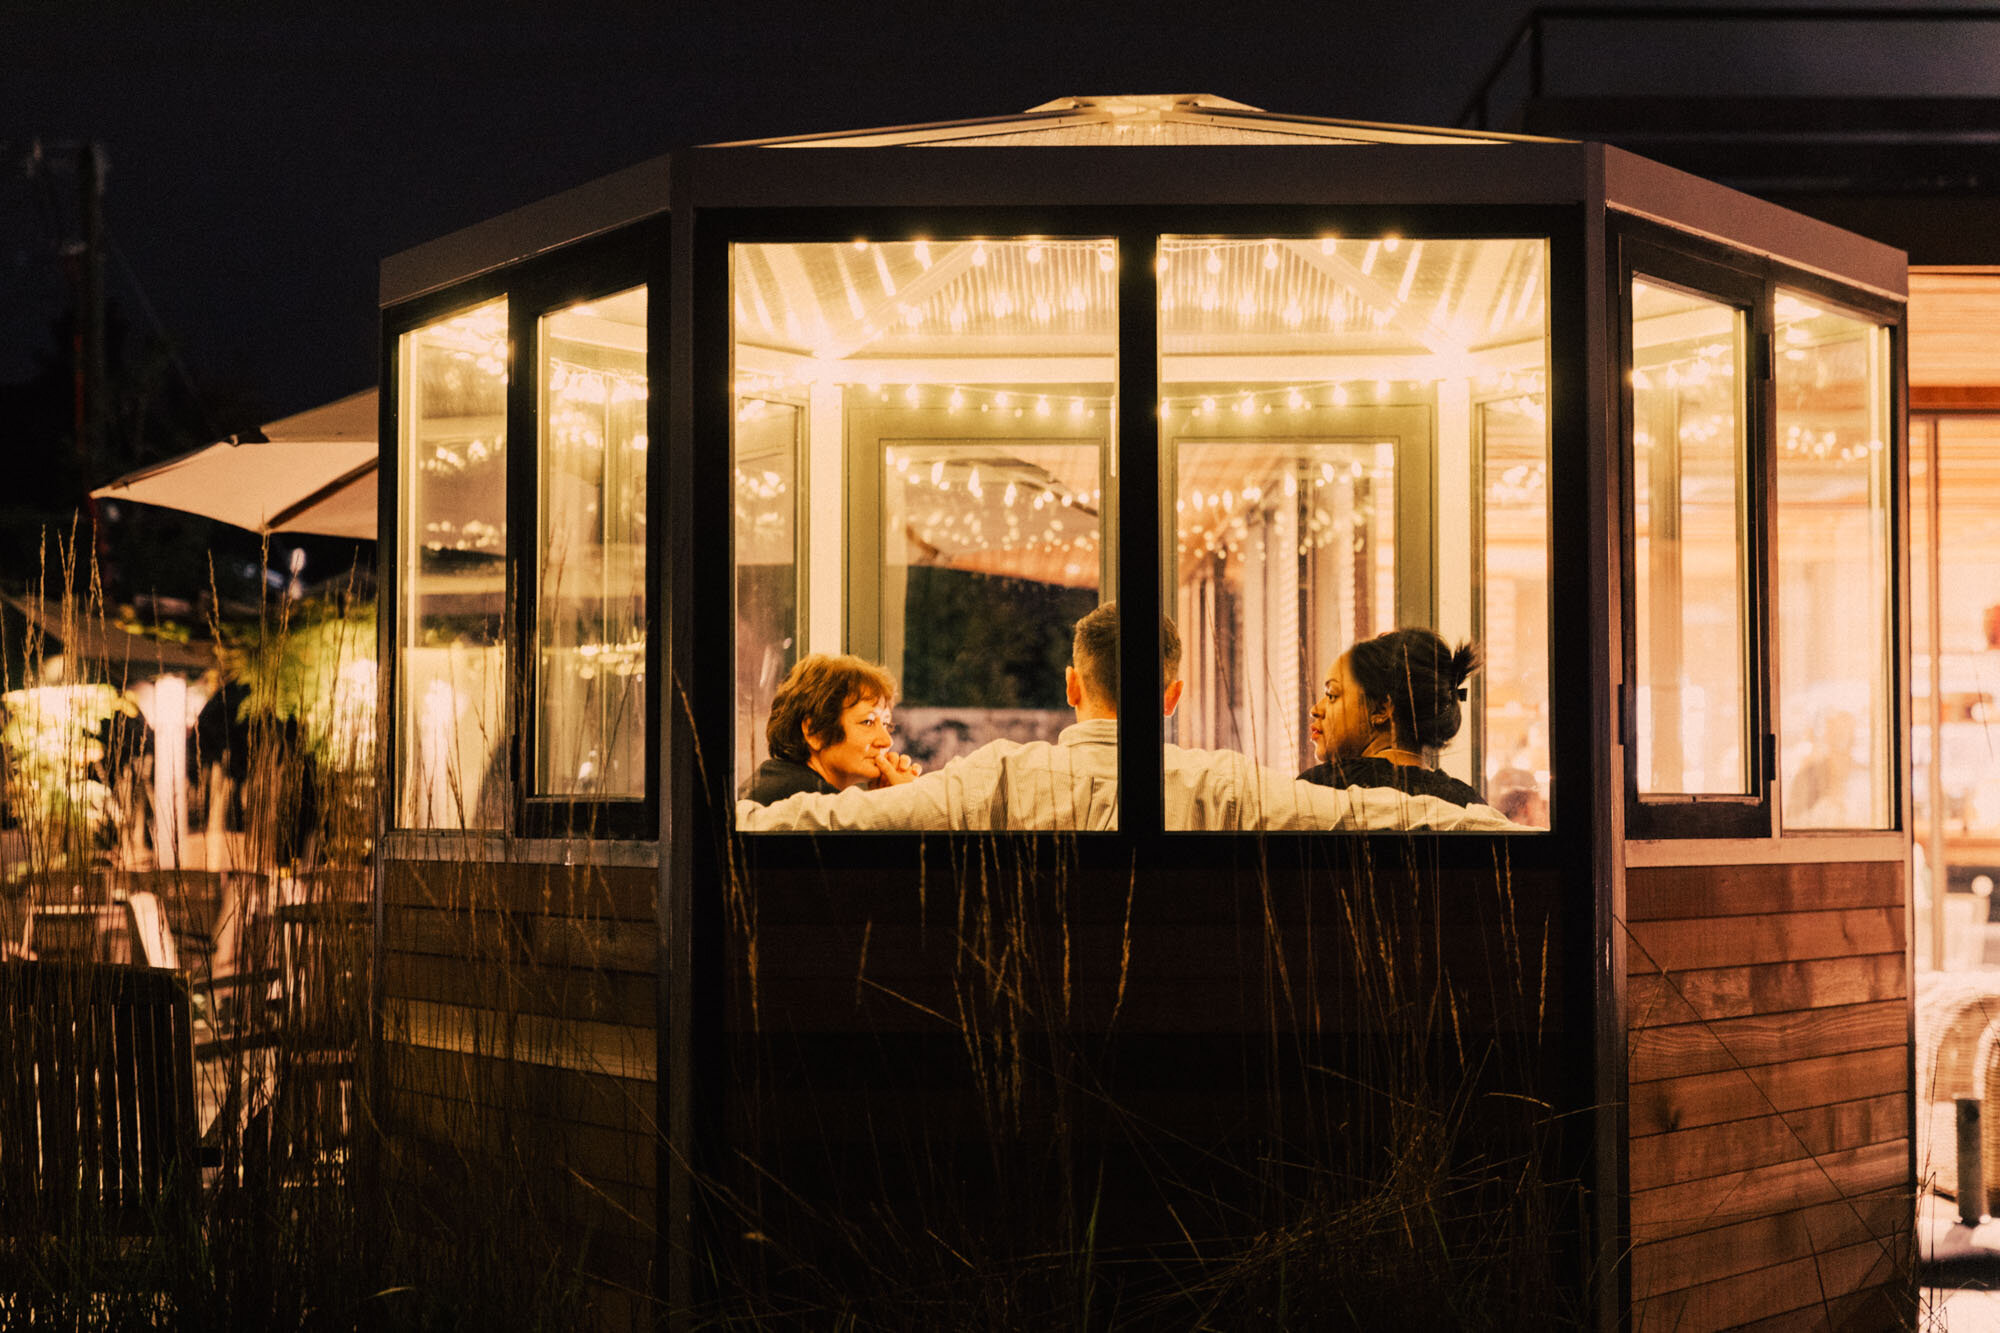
776 779
1412 779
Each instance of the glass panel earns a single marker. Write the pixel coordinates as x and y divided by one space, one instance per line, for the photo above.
1927 828
1831 377
923 456
1968 700
991 552
1354 440
590 638
768 433
1513 689
1689 553
451 659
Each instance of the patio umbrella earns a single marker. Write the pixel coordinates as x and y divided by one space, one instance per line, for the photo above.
313 472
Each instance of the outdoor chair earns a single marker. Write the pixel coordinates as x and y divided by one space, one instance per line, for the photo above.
84 932
98 1133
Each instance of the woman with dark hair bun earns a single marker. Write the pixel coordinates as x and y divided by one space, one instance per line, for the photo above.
1391 703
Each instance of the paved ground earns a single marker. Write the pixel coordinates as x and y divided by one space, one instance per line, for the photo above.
1964 1264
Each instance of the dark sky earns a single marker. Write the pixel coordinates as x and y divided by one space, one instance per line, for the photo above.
264 158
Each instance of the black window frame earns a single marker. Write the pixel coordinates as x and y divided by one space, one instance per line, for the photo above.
1139 573
1749 282
636 255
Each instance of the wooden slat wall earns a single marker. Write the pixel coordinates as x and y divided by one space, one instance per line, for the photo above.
519 1061
954 1057
1769 1059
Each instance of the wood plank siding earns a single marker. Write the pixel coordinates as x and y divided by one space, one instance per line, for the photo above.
966 1075
1769 1117
518 1074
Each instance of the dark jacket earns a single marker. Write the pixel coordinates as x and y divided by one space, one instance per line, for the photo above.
776 779
1376 772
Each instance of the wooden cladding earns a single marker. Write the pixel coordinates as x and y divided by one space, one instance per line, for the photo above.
1769 1105
519 1058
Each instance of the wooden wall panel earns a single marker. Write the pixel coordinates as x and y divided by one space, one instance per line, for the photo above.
1681 1049
519 1047
1769 1108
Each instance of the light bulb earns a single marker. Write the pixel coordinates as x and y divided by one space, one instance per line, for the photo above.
1035 253
979 254
1214 261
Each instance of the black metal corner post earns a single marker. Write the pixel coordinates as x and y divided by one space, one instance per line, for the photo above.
702 711
388 618
671 326
524 553
1902 663
1140 549
1591 413
1760 464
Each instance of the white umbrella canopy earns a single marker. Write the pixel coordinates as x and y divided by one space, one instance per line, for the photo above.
313 472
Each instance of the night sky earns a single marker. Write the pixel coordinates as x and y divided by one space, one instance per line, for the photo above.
263 159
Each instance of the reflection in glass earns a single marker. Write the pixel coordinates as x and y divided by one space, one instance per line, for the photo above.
1689 553
1287 544
1927 843
590 614
923 473
1513 690
1835 585
1967 698
767 583
991 552
451 659
1325 407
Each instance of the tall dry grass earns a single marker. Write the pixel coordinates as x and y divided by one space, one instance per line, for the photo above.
958 1092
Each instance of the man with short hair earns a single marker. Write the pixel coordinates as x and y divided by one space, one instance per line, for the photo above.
1072 785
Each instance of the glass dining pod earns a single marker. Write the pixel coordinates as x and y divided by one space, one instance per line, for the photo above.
1203 710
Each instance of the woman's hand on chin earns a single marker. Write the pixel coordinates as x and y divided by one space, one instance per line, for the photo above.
896 769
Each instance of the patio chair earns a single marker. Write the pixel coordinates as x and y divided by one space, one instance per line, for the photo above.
83 932
98 1132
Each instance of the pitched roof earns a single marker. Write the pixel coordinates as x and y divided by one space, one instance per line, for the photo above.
1139 121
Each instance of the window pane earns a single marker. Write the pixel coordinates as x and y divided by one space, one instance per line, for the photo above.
1688 542
451 659
1834 569
1926 846
923 468
1513 689
590 686
1968 641
768 433
1354 440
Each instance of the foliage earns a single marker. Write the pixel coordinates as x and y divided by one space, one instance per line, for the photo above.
317 666
54 738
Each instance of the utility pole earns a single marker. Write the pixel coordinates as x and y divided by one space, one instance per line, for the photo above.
89 333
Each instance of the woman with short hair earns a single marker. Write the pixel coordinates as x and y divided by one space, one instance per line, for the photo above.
829 730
